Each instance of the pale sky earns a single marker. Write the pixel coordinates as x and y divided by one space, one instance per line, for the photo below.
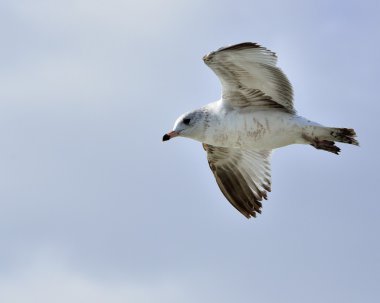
95 208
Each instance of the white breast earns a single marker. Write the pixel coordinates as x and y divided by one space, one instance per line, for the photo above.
254 129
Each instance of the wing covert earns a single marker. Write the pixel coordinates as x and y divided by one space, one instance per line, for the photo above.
248 67
243 176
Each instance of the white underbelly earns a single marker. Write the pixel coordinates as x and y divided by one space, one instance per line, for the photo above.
256 130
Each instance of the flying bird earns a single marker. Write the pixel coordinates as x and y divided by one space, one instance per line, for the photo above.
254 116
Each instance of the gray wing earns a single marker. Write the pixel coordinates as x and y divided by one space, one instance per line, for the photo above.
250 77
243 176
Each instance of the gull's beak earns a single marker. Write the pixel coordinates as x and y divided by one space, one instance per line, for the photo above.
170 135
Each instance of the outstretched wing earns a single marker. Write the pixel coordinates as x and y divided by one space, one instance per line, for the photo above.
243 176
250 77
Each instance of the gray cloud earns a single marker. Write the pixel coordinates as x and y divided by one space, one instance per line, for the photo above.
94 206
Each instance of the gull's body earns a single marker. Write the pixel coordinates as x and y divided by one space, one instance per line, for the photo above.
254 116
252 129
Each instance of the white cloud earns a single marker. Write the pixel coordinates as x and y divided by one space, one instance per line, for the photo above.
48 279
87 90
145 16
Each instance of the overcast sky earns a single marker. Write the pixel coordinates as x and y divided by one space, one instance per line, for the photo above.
95 208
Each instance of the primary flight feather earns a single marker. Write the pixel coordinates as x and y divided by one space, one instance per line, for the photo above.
254 115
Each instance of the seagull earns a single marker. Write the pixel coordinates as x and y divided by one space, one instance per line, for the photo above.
254 115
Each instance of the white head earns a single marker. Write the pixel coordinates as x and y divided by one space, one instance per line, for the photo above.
190 125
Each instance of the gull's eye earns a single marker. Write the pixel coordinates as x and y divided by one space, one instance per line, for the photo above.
186 121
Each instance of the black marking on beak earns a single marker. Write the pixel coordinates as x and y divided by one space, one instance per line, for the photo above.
166 137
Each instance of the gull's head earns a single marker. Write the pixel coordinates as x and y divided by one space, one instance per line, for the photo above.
190 125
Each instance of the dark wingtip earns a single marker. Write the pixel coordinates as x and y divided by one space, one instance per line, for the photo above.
245 45
166 137
240 46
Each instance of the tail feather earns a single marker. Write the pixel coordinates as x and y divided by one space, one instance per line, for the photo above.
344 135
326 145
325 137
